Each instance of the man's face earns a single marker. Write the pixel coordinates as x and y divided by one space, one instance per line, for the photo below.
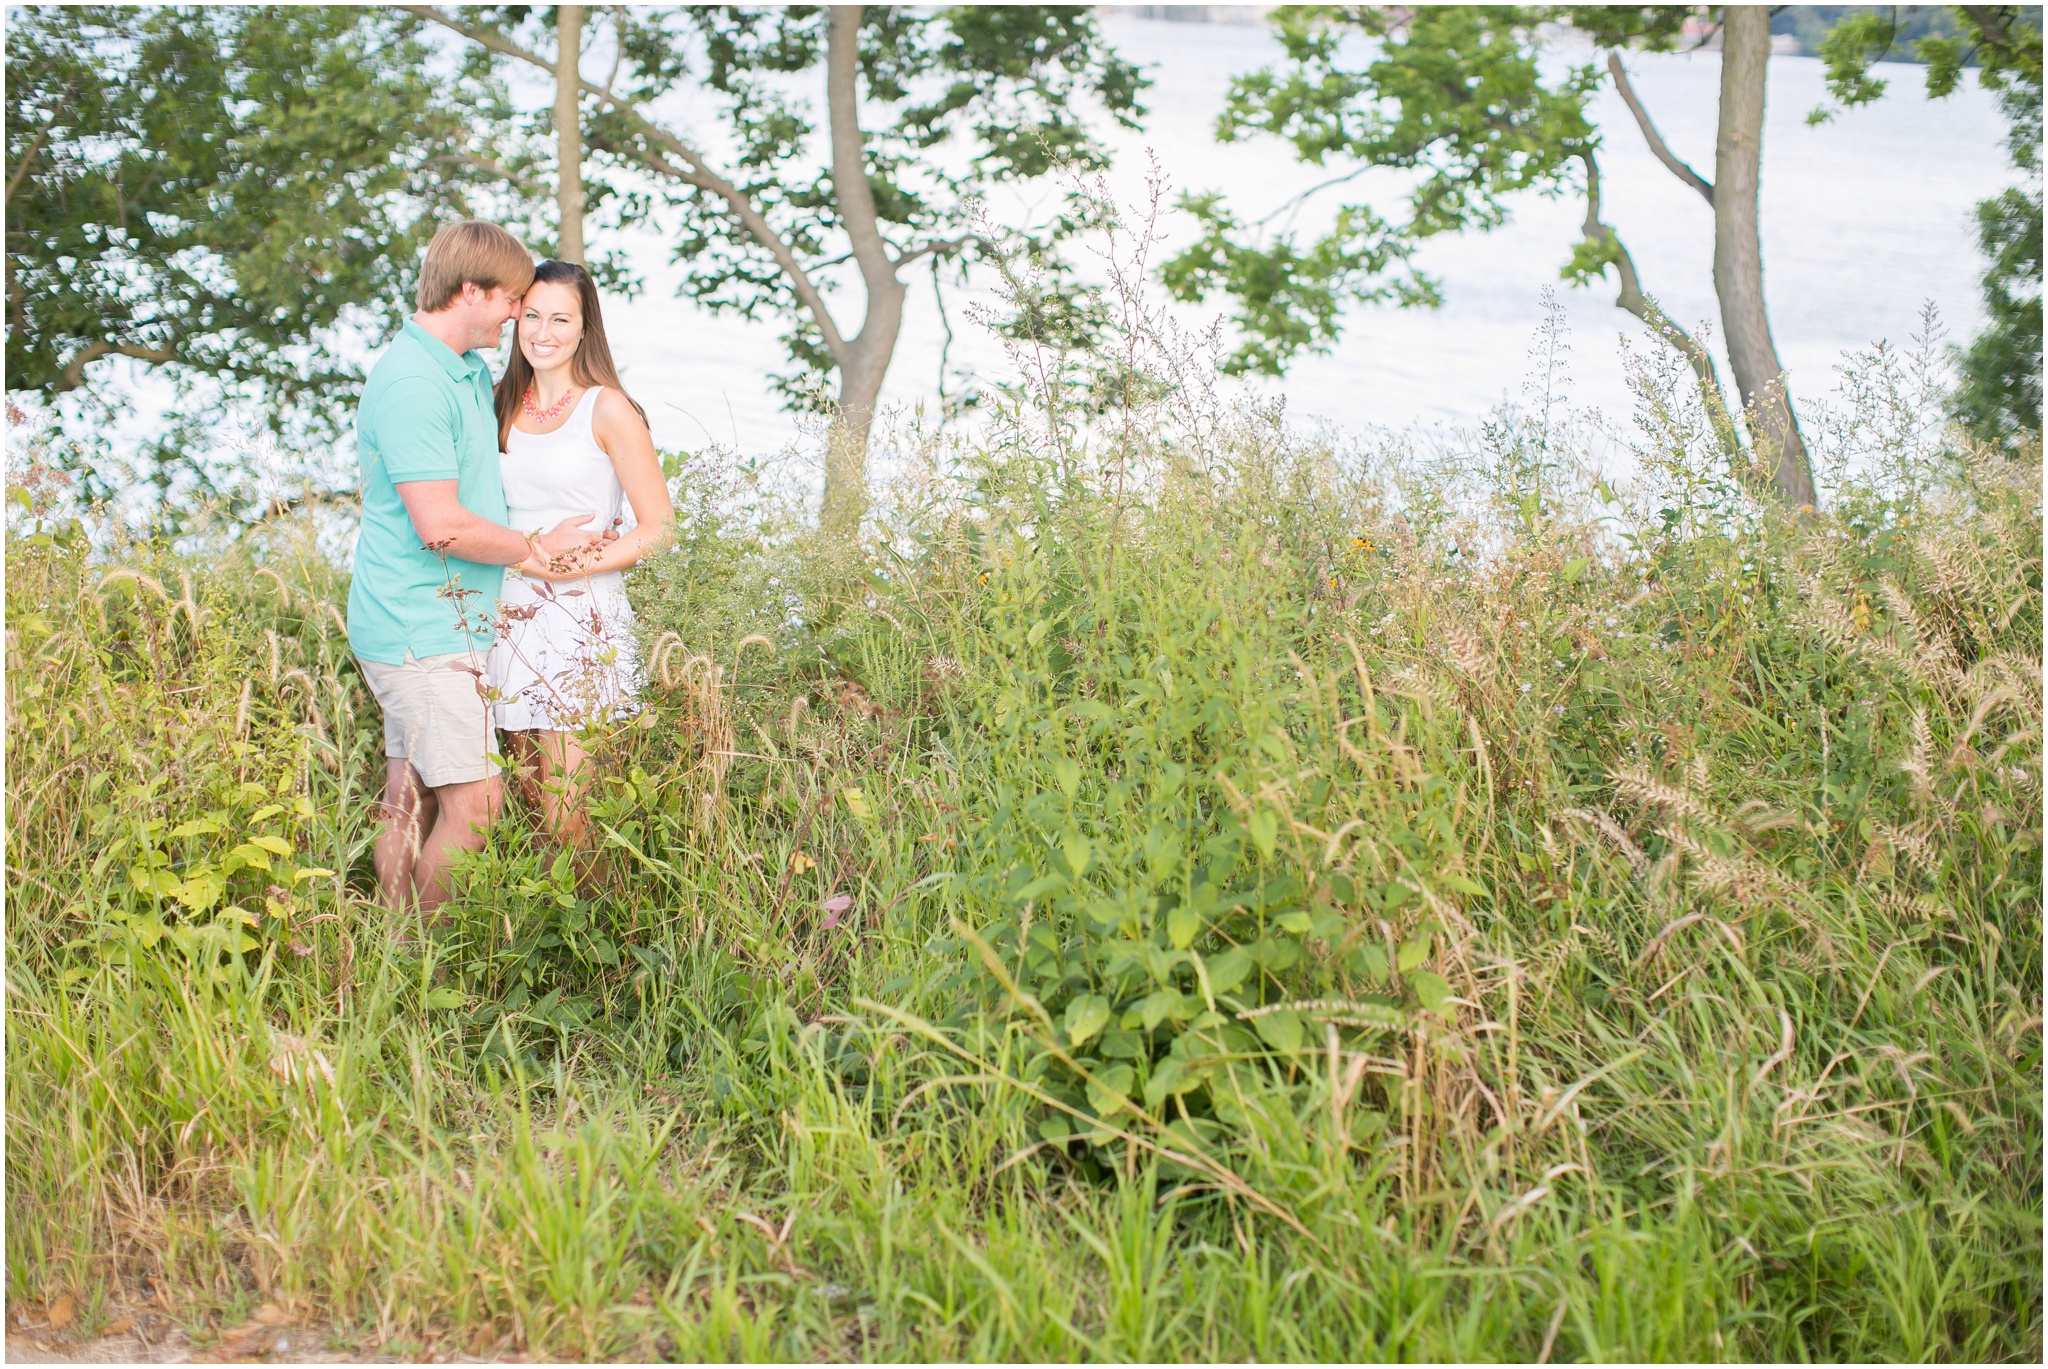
489 310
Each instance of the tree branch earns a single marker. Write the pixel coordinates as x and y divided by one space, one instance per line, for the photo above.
1650 134
1643 307
485 164
942 247
696 171
74 371
28 158
1997 31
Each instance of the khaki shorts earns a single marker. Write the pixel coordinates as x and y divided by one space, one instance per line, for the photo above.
434 717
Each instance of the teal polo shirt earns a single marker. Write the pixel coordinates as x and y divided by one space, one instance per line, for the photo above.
426 414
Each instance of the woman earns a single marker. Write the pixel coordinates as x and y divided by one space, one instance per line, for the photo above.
571 442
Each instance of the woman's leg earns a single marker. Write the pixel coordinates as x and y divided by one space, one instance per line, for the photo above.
559 771
526 764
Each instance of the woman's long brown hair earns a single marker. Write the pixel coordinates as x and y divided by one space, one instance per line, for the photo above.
592 364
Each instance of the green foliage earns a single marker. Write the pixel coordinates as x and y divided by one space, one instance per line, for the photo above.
224 193
956 101
1452 93
1142 863
2000 394
1999 398
1290 301
1185 897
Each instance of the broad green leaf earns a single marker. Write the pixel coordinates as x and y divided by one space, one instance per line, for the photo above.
1574 568
857 803
1296 922
1155 1007
198 827
199 890
1372 960
1111 1085
1183 925
1281 1030
1431 989
1078 852
275 845
1264 826
1118 1044
1038 631
1166 1081
1278 952
266 812
1462 884
445 998
253 856
1066 774
1228 970
1055 1128
1414 951
311 872
1040 887
1086 1016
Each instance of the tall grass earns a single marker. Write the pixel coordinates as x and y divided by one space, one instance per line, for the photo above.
1173 893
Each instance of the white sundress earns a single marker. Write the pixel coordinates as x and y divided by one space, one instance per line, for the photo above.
563 659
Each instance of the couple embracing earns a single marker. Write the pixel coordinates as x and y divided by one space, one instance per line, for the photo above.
488 593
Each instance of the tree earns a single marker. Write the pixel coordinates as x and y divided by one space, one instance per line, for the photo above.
1455 94
1999 397
921 114
219 193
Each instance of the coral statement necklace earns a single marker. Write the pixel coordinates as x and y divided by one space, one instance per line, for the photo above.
548 414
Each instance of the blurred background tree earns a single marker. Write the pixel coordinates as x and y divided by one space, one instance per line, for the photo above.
234 198
1998 397
1455 94
922 113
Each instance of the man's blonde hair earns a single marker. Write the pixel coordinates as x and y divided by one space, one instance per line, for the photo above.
476 253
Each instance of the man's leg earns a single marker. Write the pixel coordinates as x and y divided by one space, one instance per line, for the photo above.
408 813
465 811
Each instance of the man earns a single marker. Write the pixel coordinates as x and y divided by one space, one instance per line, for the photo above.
432 555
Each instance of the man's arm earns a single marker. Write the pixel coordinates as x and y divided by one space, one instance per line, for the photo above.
444 525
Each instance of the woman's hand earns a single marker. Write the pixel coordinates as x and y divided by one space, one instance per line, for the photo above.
535 568
572 564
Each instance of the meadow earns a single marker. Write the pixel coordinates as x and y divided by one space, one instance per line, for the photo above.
1169 887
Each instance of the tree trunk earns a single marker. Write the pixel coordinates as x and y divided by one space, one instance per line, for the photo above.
864 358
569 132
1739 258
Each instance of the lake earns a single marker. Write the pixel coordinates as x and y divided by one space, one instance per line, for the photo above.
1866 218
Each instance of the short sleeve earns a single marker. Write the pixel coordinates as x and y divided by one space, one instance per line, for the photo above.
413 431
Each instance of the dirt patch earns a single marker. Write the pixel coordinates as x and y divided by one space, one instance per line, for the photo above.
160 1341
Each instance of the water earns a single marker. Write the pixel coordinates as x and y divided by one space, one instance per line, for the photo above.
1865 219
